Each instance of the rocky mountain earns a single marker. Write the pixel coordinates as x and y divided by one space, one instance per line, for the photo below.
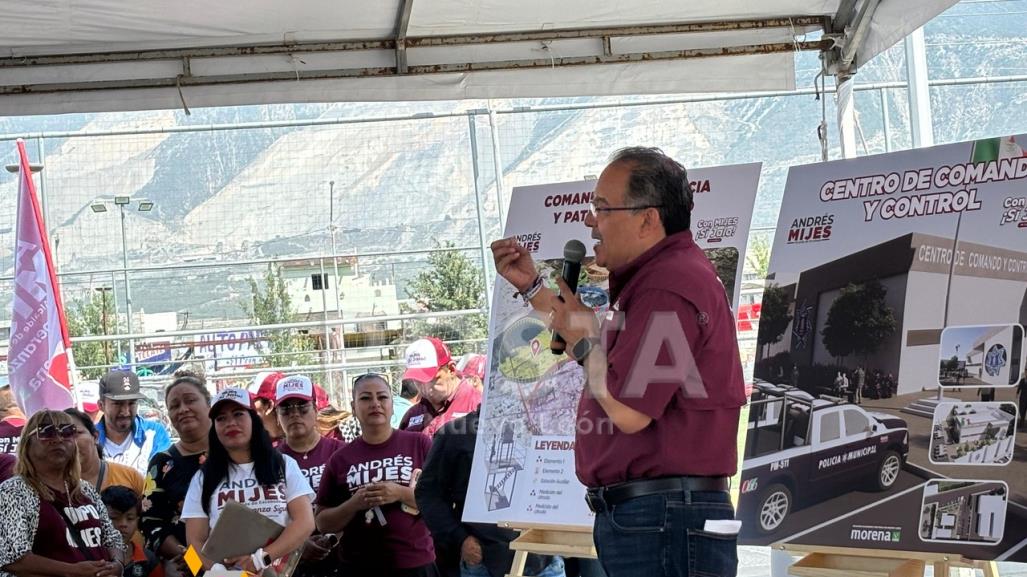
263 190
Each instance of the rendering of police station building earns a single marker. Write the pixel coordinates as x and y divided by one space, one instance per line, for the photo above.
988 287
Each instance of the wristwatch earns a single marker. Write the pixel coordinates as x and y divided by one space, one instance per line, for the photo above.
267 560
583 347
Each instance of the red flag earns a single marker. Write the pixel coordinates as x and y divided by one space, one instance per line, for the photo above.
38 355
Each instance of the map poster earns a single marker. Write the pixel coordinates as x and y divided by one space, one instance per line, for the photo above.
523 470
889 378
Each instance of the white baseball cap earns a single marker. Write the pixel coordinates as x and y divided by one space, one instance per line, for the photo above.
424 359
294 387
237 395
89 396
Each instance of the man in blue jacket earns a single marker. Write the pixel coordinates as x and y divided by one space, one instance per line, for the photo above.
125 437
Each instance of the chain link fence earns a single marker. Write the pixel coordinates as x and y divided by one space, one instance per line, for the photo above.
355 214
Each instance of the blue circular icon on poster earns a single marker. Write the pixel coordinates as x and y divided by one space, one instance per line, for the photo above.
995 360
593 296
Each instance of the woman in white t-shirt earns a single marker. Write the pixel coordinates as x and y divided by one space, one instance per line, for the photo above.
243 466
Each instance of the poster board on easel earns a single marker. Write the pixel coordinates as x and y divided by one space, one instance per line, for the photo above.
905 272
523 474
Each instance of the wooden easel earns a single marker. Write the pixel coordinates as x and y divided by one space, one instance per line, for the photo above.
844 562
563 540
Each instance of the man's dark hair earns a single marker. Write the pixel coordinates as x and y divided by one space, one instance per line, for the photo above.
660 181
121 499
408 389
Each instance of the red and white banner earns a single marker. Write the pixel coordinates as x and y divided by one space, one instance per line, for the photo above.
39 356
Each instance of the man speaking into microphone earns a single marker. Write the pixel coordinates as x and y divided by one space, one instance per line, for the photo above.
658 420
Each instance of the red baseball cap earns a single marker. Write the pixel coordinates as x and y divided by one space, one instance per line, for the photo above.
471 365
89 395
424 359
263 385
321 400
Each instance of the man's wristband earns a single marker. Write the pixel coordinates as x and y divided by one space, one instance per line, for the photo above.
534 289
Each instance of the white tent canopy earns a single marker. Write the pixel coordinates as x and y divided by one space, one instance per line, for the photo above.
104 55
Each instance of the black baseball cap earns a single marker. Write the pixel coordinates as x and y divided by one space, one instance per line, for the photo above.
120 386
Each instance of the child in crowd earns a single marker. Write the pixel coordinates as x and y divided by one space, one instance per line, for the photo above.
124 509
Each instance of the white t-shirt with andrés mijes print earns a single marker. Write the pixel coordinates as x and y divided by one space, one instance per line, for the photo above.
271 501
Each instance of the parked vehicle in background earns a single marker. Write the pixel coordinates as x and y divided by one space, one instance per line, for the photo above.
802 449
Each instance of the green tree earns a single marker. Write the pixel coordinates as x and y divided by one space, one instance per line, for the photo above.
93 316
757 256
774 317
725 261
270 304
452 282
859 320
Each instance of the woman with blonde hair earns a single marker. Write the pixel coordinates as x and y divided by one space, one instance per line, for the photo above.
53 523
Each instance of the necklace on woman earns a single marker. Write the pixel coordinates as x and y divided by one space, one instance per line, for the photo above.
67 489
307 451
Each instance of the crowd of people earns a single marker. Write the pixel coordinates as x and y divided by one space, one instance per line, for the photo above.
102 492
353 494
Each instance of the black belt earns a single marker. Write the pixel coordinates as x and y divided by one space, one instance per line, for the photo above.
602 498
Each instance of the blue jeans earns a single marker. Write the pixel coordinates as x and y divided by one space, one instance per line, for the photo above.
662 535
554 569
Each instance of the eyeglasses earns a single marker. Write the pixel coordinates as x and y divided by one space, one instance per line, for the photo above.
595 210
297 408
52 432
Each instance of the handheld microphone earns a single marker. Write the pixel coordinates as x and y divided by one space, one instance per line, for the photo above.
573 254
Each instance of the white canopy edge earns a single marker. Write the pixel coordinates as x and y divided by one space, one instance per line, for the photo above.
475 50
726 74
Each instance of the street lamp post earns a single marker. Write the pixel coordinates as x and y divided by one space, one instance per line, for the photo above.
335 259
103 321
128 285
142 205
338 284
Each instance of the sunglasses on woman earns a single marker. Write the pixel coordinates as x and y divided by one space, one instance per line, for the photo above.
294 408
52 432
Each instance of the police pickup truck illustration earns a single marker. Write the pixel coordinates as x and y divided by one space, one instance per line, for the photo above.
801 449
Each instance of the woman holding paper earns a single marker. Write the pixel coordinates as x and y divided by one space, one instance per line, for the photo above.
243 466
367 492
53 523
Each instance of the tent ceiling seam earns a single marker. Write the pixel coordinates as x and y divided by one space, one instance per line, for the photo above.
466 67
23 61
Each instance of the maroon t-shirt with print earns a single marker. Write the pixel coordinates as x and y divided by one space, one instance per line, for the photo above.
10 433
313 462
54 541
404 541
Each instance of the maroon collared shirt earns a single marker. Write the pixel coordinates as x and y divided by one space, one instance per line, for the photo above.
425 418
673 355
